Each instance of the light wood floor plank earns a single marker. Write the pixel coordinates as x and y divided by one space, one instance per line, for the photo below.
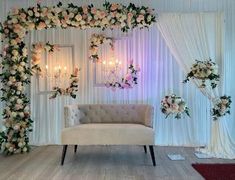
101 163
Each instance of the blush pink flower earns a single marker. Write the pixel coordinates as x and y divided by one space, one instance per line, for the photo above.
128 77
93 10
114 6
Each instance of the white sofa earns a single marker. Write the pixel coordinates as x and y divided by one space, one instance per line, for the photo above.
108 124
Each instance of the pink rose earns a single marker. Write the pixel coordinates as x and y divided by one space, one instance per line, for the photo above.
41 26
128 77
84 8
114 6
140 18
93 10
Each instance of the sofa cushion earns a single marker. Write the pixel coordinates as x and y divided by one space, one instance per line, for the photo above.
73 116
108 134
110 113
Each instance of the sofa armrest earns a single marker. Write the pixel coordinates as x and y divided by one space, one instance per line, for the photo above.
72 115
149 115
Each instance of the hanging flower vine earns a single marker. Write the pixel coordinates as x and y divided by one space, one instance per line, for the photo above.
37 49
95 41
15 70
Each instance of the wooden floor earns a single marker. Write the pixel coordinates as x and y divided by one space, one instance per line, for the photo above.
101 163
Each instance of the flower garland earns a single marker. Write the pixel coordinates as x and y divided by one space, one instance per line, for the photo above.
37 49
15 70
221 107
69 91
172 104
130 79
95 41
204 71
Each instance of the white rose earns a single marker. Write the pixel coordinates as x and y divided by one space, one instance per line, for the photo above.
149 18
24 77
17 127
20 144
12 99
22 63
19 101
13 42
37 14
18 92
9 83
71 15
64 13
78 17
15 52
26 109
13 114
142 11
25 53
11 149
7 145
21 114
20 68
14 20
12 72
15 67
30 12
20 88
25 149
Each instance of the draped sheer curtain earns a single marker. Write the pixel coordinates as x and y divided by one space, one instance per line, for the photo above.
200 36
159 76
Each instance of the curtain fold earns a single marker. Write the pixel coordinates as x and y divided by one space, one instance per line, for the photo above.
199 36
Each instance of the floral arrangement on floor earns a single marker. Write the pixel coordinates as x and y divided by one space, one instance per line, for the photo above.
95 41
175 105
221 107
204 71
130 79
15 70
69 91
37 49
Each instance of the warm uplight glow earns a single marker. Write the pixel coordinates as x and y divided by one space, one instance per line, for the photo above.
46 66
104 62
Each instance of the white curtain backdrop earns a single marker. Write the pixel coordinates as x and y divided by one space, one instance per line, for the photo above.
160 74
200 36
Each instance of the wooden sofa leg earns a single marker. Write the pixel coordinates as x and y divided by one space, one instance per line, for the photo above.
63 154
75 148
145 149
152 154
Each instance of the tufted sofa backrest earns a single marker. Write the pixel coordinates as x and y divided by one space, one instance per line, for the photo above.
109 113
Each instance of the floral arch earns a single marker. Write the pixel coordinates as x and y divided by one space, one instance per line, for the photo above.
16 70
